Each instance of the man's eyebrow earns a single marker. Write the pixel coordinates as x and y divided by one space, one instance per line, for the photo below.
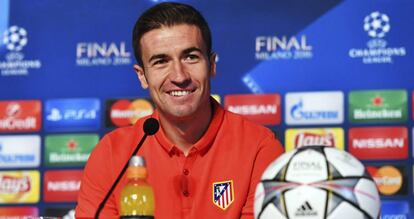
192 49
157 56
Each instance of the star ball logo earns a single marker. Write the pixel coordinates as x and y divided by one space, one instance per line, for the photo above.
377 25
15 39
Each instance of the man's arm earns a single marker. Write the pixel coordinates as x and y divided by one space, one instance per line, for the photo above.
96 181
268 150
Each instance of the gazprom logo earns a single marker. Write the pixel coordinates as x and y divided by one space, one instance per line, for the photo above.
72 114
18 151
298 113
314 108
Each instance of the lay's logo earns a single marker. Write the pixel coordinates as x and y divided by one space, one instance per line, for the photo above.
331 137
14 185
260 108
19 187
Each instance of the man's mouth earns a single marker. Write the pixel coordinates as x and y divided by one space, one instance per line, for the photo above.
180 93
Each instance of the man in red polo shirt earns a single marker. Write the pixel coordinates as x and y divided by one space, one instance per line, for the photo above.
204 162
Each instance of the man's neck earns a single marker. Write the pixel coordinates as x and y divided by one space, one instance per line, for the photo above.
184 133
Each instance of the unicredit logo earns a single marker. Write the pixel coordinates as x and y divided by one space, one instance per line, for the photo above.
13 185
309 139
20 115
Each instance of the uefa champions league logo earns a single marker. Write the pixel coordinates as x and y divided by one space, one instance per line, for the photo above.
377 24
15 38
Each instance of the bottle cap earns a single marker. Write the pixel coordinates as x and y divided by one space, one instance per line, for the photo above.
137 168
137 161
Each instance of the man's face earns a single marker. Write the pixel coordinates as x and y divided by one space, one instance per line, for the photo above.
176 70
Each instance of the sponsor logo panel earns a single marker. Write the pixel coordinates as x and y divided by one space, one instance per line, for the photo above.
260 108
18 151
18 212
379 143
314 108
61 185
296 138
14 63
19 187
283 48
395 209
377 51
378 106
89 54
69 149
20 116
390 179
72 114
67 212
124 112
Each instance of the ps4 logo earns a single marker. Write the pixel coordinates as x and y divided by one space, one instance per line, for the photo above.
71 114
80 114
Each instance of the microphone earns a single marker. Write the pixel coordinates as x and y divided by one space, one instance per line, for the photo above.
150 127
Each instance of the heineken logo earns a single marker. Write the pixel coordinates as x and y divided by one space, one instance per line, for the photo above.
69 150
378 106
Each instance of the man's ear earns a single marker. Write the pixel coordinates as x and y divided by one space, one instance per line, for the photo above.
213 57
141 76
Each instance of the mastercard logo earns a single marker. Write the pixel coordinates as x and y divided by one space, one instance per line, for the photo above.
126 112
389 179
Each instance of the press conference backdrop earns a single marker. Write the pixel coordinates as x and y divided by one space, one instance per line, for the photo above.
337 73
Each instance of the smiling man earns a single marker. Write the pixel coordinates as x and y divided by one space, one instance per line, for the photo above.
204 162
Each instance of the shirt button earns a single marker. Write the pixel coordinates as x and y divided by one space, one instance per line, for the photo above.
186 193
186 172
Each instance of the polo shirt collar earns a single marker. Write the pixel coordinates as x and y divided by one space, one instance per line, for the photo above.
206 140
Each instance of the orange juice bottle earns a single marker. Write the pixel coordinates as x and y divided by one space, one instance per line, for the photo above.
137 197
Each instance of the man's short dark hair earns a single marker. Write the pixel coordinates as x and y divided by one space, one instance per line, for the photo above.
168 14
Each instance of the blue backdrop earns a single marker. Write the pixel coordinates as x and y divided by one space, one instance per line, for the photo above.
263 46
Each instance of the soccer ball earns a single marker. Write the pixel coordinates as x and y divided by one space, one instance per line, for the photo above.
316 182
15 38
377 24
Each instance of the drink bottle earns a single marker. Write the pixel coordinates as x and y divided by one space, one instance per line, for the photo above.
137 197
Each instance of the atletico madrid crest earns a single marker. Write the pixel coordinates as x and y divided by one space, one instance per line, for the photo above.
223 194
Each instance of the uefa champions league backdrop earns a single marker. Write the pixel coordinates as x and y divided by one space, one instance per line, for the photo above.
336 73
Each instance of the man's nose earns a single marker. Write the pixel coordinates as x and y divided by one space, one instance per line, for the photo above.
179 73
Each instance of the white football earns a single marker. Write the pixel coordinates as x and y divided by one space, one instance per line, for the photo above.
316 182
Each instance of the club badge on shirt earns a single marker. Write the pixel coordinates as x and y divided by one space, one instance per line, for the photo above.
223 194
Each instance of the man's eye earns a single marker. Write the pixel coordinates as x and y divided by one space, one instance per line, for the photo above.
191 58
159 62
